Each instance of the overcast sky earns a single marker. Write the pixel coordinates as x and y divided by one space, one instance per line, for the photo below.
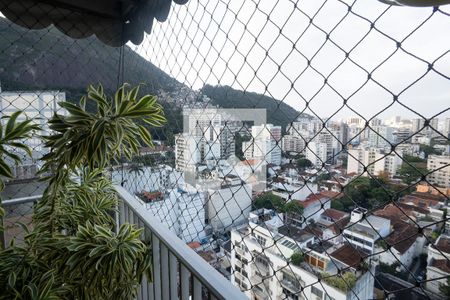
207 42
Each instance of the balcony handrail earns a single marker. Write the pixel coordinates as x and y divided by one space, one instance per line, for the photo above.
205 273
15 201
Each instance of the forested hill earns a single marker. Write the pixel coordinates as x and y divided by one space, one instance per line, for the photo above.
278 113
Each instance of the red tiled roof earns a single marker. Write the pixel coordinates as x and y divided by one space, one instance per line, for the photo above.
339 226
402 237
349 255
443 244
331 194
393 213
441 264
334 214
194 245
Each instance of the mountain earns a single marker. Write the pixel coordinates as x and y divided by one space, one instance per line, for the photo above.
278 112
47 59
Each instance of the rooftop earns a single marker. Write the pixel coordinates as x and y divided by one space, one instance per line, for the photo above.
402 237
295 233
441 264
334 214
443 244
349 255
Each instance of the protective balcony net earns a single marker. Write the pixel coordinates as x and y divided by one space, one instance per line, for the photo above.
306 153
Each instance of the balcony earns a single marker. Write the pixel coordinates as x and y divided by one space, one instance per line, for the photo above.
179 272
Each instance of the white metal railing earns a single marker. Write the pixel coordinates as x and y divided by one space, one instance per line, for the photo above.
178 272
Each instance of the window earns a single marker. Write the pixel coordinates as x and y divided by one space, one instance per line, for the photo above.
237 268
244 273
262 241
317 292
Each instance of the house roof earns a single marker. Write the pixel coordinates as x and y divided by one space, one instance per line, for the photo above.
349 255
443 244
295 233
393 213
194 245
334 214
441 264
402 237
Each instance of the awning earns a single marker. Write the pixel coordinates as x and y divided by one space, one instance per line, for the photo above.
114 22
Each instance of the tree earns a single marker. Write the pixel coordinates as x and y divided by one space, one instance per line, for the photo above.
429 150
74 249
268 201
336 204
297 258
303 163
293 207
411 172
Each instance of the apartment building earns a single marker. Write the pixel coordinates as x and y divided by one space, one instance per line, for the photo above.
265 144
262 250
37 105
362 232
439 166
438 263
317 153
228 204
375 160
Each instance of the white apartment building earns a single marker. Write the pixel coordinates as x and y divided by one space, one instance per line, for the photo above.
317 153
37 105
187 152
292 143
447 127
163 192
380 136
438 263
439 165
363 233
228 204
260 255
265 144
375 159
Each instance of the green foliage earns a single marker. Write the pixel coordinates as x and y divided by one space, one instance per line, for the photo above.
278 112
344 282
429 150
413 159
323 177
12 135
336 204
445 288
268 201
73 250
293 207
303 163
297 258
412 171
393 270
367 192
238 140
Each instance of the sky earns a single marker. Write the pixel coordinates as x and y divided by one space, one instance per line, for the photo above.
264 46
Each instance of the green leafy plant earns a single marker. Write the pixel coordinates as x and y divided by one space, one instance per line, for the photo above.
345 282
74 249
297 258
12 136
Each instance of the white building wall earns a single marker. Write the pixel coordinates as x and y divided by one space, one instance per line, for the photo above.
229 206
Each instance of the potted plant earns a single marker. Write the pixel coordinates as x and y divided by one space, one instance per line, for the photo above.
74 249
